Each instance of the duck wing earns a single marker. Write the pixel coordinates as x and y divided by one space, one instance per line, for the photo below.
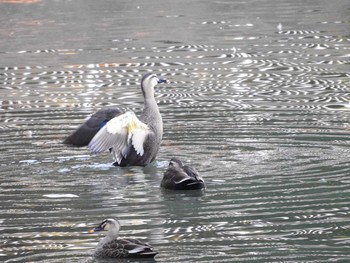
113 249
173 177
192 172
119 135
83 135
125 248
179 179
136 248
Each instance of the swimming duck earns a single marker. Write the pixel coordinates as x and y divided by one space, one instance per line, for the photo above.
113 247
181 177
132 141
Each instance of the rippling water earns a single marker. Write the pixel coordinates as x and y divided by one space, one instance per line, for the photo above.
259 104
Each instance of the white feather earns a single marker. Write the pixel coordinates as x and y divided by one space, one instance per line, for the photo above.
119 123
183 180
138 139
119 134
136 250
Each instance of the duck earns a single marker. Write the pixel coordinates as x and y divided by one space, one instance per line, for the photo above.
181 177
132 141
111 246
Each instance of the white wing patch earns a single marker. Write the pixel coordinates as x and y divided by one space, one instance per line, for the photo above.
119 134
183 180
138 138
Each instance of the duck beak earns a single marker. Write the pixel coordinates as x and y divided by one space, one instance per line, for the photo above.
163 81
96 229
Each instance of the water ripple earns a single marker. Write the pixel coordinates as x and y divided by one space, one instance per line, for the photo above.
263 116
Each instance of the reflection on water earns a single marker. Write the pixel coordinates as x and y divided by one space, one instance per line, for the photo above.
259 104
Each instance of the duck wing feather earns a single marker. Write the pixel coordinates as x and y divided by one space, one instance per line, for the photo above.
85 132
119 134
124 248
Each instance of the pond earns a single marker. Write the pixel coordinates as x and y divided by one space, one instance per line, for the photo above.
258 103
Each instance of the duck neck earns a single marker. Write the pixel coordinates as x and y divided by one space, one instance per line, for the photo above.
150 110
112 234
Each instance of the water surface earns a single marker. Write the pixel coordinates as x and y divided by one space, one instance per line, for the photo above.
259 104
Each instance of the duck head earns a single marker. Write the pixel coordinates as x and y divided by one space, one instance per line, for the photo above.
148 82
111 225
175 162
